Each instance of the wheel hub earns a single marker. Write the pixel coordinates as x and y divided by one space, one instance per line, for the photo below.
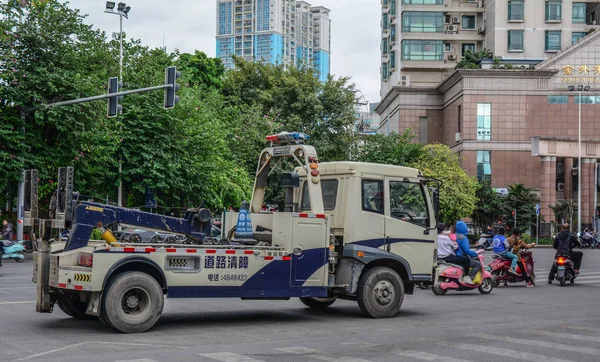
132 301
384 292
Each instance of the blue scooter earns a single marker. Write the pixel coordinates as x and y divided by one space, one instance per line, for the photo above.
12 250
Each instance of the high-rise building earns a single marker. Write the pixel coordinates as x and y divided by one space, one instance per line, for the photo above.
274 31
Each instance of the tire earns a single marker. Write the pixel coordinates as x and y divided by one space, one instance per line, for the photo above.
318 303
78 309
532 278
62 305
561 280
380 292
438 291
19 260
495 281
133 302
486 286
169 240
156 239
135 238
572 281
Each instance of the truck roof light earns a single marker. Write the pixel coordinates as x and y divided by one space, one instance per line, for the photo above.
288 137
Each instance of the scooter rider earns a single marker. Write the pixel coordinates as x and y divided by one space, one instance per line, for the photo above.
502 248
516 244
446 248
464 250
564 243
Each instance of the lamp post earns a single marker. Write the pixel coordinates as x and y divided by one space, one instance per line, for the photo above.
580 89
122 11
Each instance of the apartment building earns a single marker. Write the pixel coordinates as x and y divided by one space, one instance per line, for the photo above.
273 31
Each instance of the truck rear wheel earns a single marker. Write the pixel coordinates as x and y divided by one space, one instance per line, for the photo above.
380 292
318 303
133 302
78 308
62 305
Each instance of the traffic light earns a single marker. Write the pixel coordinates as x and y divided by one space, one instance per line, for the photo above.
171 75
114 107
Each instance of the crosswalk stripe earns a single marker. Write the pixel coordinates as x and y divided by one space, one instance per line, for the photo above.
585 276
537 343
577 281
428 356
508 353
313 353
136 360
229 357
576 337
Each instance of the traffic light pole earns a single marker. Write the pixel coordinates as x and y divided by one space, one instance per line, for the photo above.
106 96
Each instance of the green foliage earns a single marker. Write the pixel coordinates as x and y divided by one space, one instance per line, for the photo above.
563 211
488 209
96 234
523 200
391 149
473 60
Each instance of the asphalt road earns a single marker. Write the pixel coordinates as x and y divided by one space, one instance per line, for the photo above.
547 323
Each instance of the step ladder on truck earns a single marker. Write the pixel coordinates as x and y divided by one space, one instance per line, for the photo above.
357 231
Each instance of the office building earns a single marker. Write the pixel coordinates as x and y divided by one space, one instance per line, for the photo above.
285 32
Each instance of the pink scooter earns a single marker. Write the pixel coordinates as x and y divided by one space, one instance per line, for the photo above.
449 277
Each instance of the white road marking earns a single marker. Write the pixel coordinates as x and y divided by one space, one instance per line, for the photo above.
21 302
508 353
229 357
136 360
97 342
537 343
585 276
52 351
428 356
17 288
576 337
313 353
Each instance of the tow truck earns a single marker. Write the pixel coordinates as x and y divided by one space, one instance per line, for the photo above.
357 231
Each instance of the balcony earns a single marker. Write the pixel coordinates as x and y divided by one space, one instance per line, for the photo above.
460 35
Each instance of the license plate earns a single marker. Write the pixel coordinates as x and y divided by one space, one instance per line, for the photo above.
561 268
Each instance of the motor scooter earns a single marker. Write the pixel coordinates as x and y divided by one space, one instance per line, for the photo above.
12 250
449 277
485 242
565 269
500 266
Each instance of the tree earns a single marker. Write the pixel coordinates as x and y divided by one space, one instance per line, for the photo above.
458 193
473 60
563 211
521 199
488 209
392 149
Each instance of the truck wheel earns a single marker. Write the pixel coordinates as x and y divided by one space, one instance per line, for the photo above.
62 305
132 302
78 309
318 303
380 292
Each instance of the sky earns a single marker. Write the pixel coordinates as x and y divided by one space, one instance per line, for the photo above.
190 25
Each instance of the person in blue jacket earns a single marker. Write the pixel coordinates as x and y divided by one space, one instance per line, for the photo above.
465 250
502 247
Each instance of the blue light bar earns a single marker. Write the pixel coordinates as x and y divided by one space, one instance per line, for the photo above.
288 137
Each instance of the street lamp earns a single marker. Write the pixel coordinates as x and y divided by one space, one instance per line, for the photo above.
580 89
122 11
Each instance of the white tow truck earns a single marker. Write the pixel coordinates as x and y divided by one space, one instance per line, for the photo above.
350 230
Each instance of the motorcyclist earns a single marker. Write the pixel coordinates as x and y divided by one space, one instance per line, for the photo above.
464 250
446 252
564 243
516 244
502 248
7 234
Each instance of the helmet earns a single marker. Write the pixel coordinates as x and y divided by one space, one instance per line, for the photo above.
462 228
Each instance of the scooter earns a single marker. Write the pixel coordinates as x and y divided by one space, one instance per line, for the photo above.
565 270
449 277
485 242
499 268
12 250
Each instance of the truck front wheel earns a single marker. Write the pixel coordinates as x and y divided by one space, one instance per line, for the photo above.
318 303
380 292
133 302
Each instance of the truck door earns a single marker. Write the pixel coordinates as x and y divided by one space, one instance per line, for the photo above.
310 243
371 218
407 219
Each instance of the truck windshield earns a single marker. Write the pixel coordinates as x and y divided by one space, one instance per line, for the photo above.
407 202
329 191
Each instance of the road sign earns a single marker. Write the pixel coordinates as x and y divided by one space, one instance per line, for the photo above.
537 209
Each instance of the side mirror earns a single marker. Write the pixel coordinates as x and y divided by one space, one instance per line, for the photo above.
436 203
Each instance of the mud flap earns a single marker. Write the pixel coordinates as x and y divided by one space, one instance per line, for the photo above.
93 307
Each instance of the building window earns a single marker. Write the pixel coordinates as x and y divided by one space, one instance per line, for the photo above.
384 71
553 10
579 10
423 2
393 7
577 35
587 99
484 121
422 22
552 41
484 166
262 15
515 10
447 47
558 99
423 130
392 33
422 50
467 47
515 40
468 22
384 45
386 21
392 60
372 196
225 17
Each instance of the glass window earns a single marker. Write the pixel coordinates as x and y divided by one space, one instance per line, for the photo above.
467 47
392 33
577 35
484 121
558 99
515 40
422 22
372 196
328 189
587 100
262 15
552 40
423 2
407 203
385 21
225 18
484 165
422 50
579 10
384 45
384 71
468 22
393 7
553 10
515 10
447 47
392 59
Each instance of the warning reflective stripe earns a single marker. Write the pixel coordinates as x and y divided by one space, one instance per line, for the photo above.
74 287
62 285
311 216
190 250
186 251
